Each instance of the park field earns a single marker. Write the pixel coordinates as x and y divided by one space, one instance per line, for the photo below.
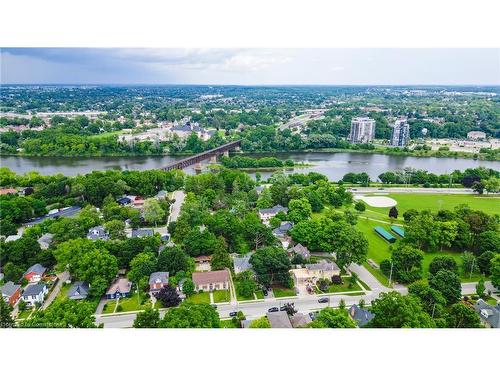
436 202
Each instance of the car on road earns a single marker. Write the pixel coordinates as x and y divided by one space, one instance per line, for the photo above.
324 300
273 309
233 313
283 308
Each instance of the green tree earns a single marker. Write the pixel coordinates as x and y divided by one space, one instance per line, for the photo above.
495 271
116 229
448 283
484 262
149 318
153 213
173 260
492 185
189 315
221 259
98 267
6 320
299 210
469 263
265 199
480 288
443 262
188 287
260 323
393 213
64 313
462 316
407 264
392 310
360 206
141 266
333 318
201 242
488 241
432 300
272 265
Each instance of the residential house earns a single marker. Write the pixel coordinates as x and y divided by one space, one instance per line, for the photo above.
123 201
242 263
6 191
202 263
283 229
138 201
35 273
299 249
98 233
45 241
34 293
79 290
142 232
300 320
312 273
361 316
157 280
11 293
212 280
267 214
13 237
490 315
162 194
121 287
279 319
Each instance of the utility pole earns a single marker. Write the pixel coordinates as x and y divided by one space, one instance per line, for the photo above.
390 275
472 267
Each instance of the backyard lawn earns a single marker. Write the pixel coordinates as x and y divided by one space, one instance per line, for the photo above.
334 288
283 292
202 297
221 296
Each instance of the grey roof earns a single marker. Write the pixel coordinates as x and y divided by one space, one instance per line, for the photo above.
300 320
9 288
34 289
142 232
97 233
37 268
63 212
361 316
323 265
45 240
301 250
279 319
273 210
488 313
162 194
79 290
161 276
284 227
242 263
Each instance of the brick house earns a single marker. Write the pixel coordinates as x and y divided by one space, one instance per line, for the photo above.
157 280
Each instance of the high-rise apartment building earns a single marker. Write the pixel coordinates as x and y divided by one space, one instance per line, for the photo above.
400 133
362 130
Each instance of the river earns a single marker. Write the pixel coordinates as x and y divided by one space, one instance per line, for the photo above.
333 165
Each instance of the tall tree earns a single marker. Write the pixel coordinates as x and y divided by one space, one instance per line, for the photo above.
272 265
153 213
189 315
332 318
168 296
299 210
448 283
6 320
149 318
462 316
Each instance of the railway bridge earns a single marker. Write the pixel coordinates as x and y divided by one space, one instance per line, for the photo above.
198 158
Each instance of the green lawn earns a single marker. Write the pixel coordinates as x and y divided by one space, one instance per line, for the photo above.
228 323
109 307
333 288
259 294
364 284
221 296
435 202
202 297
24 314
63 292
283 292
132 303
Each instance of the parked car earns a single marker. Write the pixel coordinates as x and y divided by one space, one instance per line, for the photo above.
283 308
264 291
273 309
233 313
324 300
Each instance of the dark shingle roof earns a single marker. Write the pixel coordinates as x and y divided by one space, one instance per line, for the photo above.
361 316
161 276
34 289
37 268
79 289
9 288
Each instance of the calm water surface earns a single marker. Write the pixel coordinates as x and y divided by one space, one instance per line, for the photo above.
333 165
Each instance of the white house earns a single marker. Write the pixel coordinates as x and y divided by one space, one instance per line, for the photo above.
34 293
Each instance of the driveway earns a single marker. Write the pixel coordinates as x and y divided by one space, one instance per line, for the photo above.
61 279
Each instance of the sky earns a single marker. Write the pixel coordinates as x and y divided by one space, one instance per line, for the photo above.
250 66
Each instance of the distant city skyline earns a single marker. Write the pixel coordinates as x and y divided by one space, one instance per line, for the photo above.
250 66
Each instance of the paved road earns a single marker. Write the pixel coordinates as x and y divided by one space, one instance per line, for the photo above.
179 196
303 304
410 190
62 277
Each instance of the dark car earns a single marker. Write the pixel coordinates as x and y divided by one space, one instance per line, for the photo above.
283 308
233 313
324 300
264 291
273 309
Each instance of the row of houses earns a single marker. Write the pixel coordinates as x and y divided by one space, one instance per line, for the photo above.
33 293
